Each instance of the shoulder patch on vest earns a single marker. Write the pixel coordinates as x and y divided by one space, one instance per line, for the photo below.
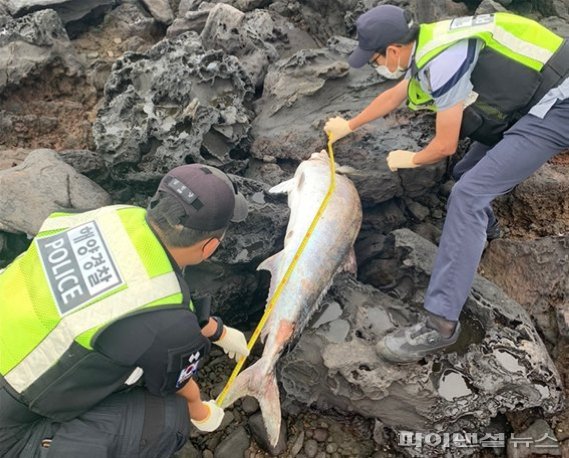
471 21
78 266
191 367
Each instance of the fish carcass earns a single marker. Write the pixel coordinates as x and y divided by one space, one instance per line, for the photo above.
328 250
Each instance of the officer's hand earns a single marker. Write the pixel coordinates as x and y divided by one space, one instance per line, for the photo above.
400 159
338 127
233 343
213 420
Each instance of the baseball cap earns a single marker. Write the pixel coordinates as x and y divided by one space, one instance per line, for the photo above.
377 29
209 197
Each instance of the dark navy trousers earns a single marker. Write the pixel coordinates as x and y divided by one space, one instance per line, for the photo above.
483 174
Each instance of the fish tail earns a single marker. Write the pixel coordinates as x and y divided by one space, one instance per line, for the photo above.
262 385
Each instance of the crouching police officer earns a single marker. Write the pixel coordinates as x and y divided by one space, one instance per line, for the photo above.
499 79
98 303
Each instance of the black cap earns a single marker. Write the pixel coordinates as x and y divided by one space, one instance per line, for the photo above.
377 29
209 197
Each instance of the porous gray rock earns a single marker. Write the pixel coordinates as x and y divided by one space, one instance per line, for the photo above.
130 20
244 36
68 10
31 43
87 163
302 91
536 274
11 157
41 185
190 20
175 104
499 363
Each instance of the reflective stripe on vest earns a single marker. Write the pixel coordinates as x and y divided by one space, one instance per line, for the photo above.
520 39
136 290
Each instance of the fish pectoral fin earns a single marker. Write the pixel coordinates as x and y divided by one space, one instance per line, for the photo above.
271 263
283 188
254 381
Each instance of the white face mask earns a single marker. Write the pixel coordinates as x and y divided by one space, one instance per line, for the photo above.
382 70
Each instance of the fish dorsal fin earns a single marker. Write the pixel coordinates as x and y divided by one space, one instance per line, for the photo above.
271 264
283 188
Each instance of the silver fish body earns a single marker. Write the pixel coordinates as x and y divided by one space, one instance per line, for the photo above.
326 252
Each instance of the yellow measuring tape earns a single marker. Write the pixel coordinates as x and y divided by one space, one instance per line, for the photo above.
286 277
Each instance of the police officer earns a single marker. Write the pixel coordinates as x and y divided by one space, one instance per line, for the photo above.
99 339
499 79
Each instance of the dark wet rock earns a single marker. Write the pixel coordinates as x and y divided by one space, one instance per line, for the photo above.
161 10
173 105
536 274
489 7
301 92
41 185
538 439
436 10
30 44
69 11
498 365
249 405
260 235
539 205
234 445
231 277
559 8
259 433
87 163
188 451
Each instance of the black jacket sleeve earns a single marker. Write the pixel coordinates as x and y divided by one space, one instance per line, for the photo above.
166 344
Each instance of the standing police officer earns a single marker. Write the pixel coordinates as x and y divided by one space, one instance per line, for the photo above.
98 304
499 79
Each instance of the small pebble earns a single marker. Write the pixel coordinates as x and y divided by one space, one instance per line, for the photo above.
207 454
311 448
331 448
320 435
249 405
117 40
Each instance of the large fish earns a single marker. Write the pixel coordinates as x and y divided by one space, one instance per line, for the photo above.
329 249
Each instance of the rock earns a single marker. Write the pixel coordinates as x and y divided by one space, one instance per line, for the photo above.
311 448
256 38
490 7
537 440
234 445
130 20
30 44
302 91
298 443
41 185
559 8
160 10
207 454
175 104
259 433
249 405
436 10
191 21
69 11
534 273
418 211
188 451
541 200
12 157
557 25
498 365
320 435
87 163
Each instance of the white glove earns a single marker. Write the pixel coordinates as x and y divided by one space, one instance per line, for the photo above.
233 343
213 420
338 127
400 159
